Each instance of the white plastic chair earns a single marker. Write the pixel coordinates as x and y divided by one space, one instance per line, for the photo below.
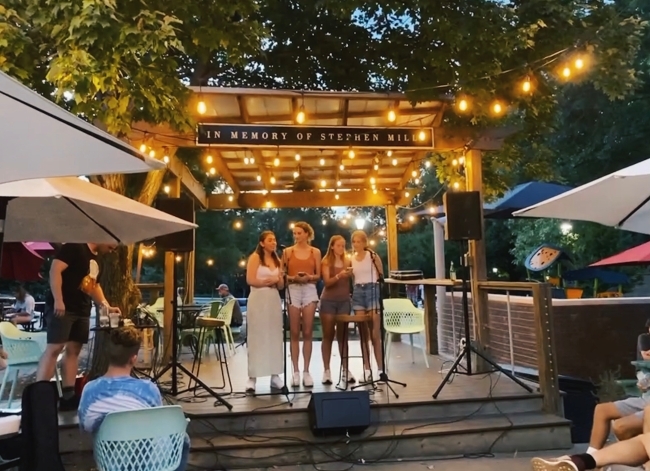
141 440
23 350
402 317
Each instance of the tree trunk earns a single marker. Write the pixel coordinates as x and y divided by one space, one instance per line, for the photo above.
116 277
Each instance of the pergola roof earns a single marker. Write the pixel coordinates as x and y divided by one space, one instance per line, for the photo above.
271 169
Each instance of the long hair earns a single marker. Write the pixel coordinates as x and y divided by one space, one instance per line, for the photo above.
307 228
330 256
362 235
259 250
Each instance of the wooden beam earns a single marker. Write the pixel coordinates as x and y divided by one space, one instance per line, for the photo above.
224 171
191 185
169 292
391 236
478 262
346 111
313 199
342 115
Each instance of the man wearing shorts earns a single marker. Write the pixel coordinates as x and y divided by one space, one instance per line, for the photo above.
74 285
626 414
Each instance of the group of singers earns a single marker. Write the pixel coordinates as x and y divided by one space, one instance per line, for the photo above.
350 286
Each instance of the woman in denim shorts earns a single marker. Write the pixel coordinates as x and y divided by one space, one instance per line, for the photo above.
366 269
335 300
303 272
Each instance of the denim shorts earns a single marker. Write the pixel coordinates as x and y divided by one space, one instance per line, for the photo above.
365 297
330 306
301 295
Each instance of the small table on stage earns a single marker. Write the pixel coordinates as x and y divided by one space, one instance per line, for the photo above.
343 322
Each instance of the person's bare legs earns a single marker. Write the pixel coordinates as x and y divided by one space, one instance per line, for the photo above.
308 313
328 322
603 416
294 331
376 340
628 427
47 363
364 340
70 364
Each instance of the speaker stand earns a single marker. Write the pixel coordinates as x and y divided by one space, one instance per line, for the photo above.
468 348
175 366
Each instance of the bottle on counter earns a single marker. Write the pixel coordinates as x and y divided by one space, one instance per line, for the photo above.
452 272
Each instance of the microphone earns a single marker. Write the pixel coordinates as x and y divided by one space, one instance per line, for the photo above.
368 250
282 247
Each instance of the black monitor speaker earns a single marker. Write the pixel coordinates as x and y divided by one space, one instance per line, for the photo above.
463 211
179 241
339 413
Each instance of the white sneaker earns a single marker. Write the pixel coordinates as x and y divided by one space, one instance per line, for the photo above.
250 385
327 377
367 375
307 380
350 377
295 380
276 382
539 464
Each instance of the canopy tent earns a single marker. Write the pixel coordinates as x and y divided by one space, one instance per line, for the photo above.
639 255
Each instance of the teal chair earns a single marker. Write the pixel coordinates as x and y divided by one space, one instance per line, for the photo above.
141 440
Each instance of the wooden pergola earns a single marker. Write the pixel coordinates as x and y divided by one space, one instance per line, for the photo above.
285 148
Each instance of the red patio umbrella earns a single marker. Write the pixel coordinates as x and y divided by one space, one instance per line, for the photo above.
639 255
41 248
20 263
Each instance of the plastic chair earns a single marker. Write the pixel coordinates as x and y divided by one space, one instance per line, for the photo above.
223 313
23 351
127 440
402 317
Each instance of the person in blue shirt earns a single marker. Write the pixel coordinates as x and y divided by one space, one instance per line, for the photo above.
117 390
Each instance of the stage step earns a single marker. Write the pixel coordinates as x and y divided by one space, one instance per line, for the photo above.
450 436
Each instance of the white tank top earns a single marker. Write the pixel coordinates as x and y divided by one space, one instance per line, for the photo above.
364 271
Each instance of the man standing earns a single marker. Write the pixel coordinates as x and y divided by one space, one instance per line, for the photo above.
73 287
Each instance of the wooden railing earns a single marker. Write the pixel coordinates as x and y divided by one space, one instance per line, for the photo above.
518 335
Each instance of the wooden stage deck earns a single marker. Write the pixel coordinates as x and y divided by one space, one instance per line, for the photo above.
475 415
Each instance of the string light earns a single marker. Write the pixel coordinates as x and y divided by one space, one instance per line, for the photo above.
456 185
237 225
143 147
242 263
301 117
579 63
268 204
341 167
201 108
152 153
391 115
323 183
167 189
230 198
394 162
272 179
178 258
375 167
212 171
497 108
427 164
351 153
297 157
276 162
338 183
246 160
463 105
566 72
209 262
336 196
322 161
414 173
324 222
526 86
422 135
296 174
209 159
389 153
259 177
372 180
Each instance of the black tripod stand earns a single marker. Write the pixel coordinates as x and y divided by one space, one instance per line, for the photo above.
284 391
383 376
468 348
175 366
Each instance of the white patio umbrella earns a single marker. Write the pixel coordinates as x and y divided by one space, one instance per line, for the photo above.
67 209
40 139
620 199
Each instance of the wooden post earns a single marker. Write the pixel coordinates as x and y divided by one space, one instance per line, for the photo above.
478 263
391 234
138 268
189 282
548 375
431 319
169 292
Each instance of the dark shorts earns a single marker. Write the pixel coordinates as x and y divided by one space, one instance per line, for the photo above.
67 328
365 297
335 307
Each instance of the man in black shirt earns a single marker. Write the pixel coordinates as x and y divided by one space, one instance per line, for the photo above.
74 285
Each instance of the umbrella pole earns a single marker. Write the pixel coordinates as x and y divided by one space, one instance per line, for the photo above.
4 203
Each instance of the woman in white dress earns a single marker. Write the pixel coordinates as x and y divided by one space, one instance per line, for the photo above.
264 313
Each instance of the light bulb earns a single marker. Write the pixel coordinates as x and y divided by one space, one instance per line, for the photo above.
246 160
338 183
416 181
323 183
427 164
178 258
375 167
422 135
276 162
407 194
259 177
297 157
374 191
456 185
212 171
230 198
579 63
394 162
454 162
341 167
201 108
143 147
237 224
414 173
566 72
461 160
351 153
389 153
272 180
463 105
324 222
296 174
336 196
525 86
391 115
268 204
372 180
209 159
152 153
411 218
166 189
322 161
166 159
300 117
497 108
252 160
210 262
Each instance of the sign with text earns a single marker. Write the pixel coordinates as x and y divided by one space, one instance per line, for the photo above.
321 137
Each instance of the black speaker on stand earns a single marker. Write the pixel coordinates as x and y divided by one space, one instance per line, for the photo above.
180 242
464 223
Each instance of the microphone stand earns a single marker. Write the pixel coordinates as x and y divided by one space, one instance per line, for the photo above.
284 391
383 376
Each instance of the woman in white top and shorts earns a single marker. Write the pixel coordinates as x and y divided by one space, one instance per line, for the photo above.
366 269
303 272
265 326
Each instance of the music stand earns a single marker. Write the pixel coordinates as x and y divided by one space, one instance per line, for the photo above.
383 376
175 366
468 348
284 391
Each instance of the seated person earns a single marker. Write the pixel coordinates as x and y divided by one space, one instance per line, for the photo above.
627 414
237 317
23 309
633 452
117 390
